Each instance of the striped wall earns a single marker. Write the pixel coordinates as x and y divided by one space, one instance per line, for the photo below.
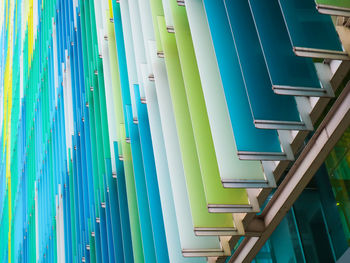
142 130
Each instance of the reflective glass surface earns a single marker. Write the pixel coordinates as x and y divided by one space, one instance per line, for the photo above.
338 167
317 228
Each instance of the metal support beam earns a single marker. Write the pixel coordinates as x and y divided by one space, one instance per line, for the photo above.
341 71
311 158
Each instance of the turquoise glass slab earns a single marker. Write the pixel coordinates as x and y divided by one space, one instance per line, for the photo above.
141 188
250 141
312 34
263 101
289 74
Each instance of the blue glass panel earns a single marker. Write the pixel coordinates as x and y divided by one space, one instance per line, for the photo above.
286 70
142 194
123 208
104 237
151 179
308 28
123 70
313 228
113 243
263 100
247 137
97 243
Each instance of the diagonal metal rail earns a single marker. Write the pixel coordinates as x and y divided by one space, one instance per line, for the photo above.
311 158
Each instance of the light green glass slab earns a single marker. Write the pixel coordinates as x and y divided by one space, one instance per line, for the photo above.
175 247
129 52
139 27
202 220
157 10
110 99
219 199
233 172
191 245
115 78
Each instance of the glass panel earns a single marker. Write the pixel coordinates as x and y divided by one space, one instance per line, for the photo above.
307 28
284 244
285 68
335 3
256 77
230 167
313 231
176 176
265 254
338 166
313 228
216 194
247 137
331 215
200 216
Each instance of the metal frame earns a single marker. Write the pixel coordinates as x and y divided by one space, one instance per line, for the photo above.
259 228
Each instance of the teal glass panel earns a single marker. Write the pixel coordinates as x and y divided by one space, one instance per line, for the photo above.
286 70
336 232
311 231
141 189
256 77
247 137
308 28
313 228
284 244
338 167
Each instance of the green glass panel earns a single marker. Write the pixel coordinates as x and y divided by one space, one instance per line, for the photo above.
157 10
216 194
232 170
333 7
338 167
116 86
334 3
200 216
132 201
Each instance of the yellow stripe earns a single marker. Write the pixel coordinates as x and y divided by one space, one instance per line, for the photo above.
30 32
7 114
110 9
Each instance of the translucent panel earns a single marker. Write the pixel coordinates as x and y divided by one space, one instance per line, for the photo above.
151 179
263 101
312 34
284 244
200 216
334 7
289 74
170 214
132 205
190 243
338 166
218 197
247 137
233 172
142 194
313 228
335 3
123 232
